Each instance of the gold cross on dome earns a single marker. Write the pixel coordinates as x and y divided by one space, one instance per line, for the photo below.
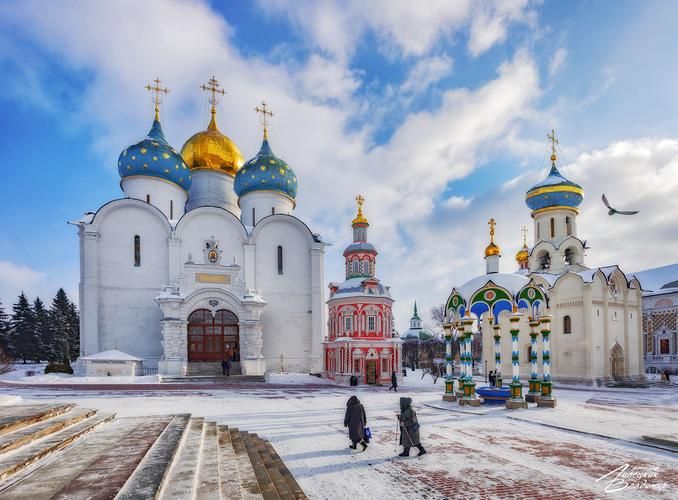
554 141
157 91
360 200
265 114
213 87
524 230
492 223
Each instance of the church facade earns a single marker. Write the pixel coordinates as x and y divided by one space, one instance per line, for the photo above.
553 316
203 260
361 340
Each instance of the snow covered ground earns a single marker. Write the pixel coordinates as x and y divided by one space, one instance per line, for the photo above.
473 452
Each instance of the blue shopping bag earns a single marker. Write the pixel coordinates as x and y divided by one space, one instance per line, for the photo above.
368 434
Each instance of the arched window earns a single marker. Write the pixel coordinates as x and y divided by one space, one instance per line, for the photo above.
356 267
567 324
280 260
254 216
137 250
538 235
568 223
272 210
171 209
148 198
570 256
544 260
553 227
366 266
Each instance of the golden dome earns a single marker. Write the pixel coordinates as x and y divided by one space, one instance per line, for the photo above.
523 255
212 150
492 249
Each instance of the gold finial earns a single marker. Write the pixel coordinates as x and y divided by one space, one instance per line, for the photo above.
491 223
554 141
524 230
492 248
213 87
157 95
265 114
360 218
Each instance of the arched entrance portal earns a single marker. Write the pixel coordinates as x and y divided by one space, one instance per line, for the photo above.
213 338
617 362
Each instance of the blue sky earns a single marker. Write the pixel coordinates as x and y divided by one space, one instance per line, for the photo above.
436 112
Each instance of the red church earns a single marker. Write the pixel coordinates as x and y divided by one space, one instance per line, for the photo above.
360 323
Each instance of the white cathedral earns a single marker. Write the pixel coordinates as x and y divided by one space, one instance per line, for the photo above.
202 260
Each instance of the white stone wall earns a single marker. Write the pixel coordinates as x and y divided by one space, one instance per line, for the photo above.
259 204
169 198
212 188
287 319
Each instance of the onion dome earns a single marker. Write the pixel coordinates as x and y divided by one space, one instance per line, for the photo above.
555 191
492 248
212 150
266 172
523 255
153 157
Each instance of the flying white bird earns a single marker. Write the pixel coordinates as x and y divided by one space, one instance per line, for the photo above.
612 211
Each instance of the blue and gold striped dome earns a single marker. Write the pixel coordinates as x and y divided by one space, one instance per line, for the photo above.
266 172
553 192
153 157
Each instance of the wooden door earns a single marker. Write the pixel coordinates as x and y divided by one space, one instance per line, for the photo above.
371 369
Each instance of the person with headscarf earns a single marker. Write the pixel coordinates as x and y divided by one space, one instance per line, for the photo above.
409 428
355 420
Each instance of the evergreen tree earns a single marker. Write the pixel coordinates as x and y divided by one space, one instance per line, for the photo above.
4 328
22 330
65 327
43 332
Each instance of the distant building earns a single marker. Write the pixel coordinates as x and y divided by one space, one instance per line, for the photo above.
660 318
360 342
416 330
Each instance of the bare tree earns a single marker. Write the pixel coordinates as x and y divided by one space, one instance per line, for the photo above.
431 354
438 315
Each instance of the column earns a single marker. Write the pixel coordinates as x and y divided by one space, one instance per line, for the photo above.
318 307
535 383
546 399
497 352
470 396
462 358
89 291
516 400
449 375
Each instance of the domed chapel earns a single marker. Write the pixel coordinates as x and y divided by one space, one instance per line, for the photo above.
202 259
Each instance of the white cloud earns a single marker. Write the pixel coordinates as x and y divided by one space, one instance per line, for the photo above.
490 22
557 61
426 72
457 202
402 27
15 278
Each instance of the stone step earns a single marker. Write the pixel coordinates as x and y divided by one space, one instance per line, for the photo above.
207 481
103 478
28 434
284 471
15 461
148 477
56 471
213 379
13 418
229 479
248 479
210 368
281 487
266 485
180 480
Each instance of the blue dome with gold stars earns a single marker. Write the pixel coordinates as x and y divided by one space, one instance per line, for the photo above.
153 157
554 192
266 172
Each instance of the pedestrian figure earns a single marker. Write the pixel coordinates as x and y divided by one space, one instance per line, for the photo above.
394 382
409 428
226 367
355 420
668 375
492 378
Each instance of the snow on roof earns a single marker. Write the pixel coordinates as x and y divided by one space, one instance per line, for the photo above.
112 355
655 278
511 282
354 287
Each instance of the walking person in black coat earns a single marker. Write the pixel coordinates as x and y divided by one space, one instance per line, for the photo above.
409 428
355 420
226 367
394 382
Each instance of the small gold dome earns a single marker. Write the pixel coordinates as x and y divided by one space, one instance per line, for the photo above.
523 255
212 150
492 249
